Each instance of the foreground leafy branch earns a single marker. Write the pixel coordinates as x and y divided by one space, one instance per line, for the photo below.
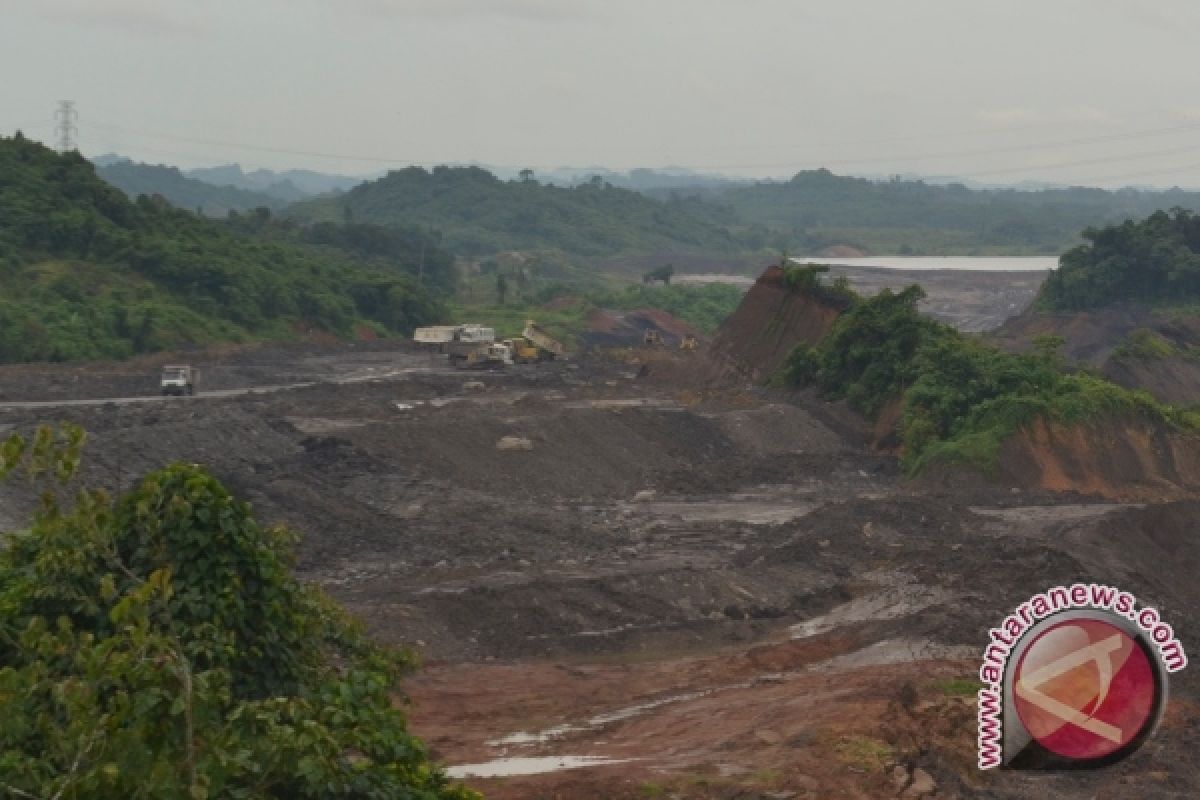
158 646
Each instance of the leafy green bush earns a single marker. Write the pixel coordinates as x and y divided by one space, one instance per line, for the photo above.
160 647
807 278
868 356
962 398
1144 344
1156 260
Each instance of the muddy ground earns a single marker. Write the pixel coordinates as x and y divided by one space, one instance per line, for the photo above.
699 594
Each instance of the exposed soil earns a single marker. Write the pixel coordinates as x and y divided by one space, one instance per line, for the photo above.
726 592
771 320
1092 339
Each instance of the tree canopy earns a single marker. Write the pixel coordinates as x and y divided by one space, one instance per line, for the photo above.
1156 261
159 646
816 209
87 273
959 398
480 214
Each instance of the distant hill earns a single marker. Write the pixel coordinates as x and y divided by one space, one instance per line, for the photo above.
87 273
290 185
182 191
480 214
817 209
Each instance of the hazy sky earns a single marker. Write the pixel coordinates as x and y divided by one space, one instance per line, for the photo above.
1102 92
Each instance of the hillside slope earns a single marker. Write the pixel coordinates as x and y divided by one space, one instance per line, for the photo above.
182 191
480 214
949 404
771 320
86 273
1126 303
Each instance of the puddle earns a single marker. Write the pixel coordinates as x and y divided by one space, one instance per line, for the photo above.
1052 513
751 513
630 402
895 651
534 765
891 603
319 425
628 712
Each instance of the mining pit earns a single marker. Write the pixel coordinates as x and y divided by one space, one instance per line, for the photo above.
660 586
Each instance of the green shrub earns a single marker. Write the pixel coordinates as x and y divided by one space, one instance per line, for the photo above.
962 398
160 647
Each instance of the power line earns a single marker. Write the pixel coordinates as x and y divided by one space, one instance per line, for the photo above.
1087 162
973 153
1075 142
65 129
256 148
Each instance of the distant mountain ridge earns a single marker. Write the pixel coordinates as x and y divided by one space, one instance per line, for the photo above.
289 185
817 209
182 191
479 214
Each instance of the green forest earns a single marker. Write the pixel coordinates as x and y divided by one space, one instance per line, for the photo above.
1155 261
479 214
960 398
85 272
816 209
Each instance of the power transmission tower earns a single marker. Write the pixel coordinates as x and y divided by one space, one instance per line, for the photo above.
65 129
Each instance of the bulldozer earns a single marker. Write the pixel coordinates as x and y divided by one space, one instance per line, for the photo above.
651 338
688 342
524 351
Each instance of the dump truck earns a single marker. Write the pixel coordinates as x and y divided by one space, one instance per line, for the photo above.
458 342
435 334
549 347
179 380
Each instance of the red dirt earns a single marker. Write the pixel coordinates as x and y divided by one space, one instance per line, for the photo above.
724 723
771 320
1123 460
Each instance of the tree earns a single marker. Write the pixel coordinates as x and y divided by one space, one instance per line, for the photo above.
159 646
501 287
663 274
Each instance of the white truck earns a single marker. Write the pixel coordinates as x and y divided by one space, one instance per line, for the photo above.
467 345
179 379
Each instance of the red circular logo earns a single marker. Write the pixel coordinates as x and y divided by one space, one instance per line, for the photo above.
1085 689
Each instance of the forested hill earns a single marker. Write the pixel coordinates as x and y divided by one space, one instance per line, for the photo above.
182 191
1155 261
87 273
817 209
478 214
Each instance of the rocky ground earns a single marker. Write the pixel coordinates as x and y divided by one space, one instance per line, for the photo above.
624 586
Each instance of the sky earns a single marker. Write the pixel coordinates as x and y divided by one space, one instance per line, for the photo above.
1089 92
